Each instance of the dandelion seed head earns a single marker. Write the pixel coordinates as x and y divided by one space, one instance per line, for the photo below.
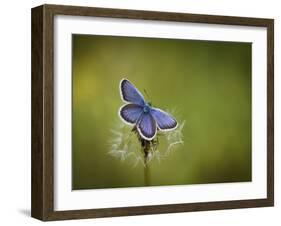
124 144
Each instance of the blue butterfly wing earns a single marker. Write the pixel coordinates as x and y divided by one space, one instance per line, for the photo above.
164 120
130 112
147 126
130 93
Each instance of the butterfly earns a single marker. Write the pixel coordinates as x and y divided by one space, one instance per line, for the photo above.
146 119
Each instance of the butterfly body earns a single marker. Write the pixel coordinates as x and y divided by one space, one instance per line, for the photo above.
141 114
146 109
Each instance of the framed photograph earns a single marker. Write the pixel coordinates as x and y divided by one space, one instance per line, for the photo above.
141 112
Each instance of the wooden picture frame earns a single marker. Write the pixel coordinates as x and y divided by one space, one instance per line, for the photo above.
42 205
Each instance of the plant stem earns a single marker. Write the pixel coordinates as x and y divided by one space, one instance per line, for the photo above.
146 171
145 146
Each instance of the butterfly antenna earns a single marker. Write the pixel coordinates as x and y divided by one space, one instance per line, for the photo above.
148 97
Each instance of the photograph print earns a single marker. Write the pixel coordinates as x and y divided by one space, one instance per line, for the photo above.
159 112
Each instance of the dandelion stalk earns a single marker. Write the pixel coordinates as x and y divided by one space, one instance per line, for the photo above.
146 174
146 147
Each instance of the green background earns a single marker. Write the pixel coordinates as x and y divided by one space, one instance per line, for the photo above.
209 83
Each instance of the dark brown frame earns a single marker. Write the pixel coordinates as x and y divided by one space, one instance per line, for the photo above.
42 203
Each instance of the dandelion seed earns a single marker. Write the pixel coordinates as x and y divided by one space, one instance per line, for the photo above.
127 146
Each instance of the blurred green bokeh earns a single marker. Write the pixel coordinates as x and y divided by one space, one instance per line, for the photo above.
209 83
